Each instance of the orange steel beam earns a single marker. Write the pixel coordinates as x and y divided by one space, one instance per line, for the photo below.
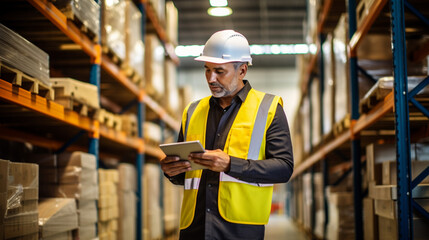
324 15
161 112
321 153
68 28
121 137
311 64
150 12
375 114
41 105
363 29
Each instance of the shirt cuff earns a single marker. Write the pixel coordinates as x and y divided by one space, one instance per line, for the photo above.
237 166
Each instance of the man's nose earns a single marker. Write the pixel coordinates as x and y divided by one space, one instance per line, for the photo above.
211 77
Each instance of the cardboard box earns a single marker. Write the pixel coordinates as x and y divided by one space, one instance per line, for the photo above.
87 212
78 191
106 214
106 201
57 215
60 236
171 102
127 177
108 175
154 66
86 232
133 39
389 208
390 171
69 174
32 236
388 229
23 174
370 228
21 225
26 206
78 159
375 155
107 188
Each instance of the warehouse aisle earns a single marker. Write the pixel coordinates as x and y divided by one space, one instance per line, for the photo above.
281 227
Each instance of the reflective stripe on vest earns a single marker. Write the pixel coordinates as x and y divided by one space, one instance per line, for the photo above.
226 178
239 201
192 183
259 128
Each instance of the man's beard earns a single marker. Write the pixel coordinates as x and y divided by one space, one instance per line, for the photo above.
222 92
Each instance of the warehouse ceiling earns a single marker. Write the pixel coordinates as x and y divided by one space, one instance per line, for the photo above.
261 21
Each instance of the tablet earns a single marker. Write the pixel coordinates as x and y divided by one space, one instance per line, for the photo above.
182 150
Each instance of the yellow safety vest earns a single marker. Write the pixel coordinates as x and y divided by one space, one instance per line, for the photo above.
238 201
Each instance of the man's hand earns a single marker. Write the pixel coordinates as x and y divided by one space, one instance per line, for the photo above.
172 166
216 160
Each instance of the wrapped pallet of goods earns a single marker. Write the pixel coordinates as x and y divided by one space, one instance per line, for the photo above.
85 13
374 56
57 218
172 203
171 89
28 64
134 45
112 29
154 66
152 220
152 133
72 175
329 88
127 202
108 207
19 196
172 23
341 215
305 126
308 204
316 126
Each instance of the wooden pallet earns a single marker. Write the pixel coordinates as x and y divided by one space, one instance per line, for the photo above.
109 119
132 74
342 125
77 106
33 85
112 55
376 96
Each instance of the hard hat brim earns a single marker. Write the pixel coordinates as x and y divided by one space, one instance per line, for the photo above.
215 60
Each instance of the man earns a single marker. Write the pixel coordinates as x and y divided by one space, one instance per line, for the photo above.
248 149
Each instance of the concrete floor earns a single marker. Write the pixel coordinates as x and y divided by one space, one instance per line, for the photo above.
280 227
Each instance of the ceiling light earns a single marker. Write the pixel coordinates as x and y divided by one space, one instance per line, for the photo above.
219 11
218 3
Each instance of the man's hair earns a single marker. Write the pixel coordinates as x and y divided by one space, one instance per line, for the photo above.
238 64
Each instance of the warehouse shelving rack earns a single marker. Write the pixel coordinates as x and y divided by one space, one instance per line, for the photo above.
398 99
65 128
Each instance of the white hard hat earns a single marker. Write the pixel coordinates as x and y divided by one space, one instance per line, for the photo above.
226 46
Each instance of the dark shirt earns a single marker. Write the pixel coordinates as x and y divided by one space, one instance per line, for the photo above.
276 168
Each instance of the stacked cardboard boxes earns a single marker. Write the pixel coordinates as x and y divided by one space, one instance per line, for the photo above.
127 201
57 218
108 207
152 220
154 66
19 185
173 195
380 208
341 215
73 175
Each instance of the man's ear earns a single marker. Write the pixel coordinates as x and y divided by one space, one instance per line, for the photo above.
243 71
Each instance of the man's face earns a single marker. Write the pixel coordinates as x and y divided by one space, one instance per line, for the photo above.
223 79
